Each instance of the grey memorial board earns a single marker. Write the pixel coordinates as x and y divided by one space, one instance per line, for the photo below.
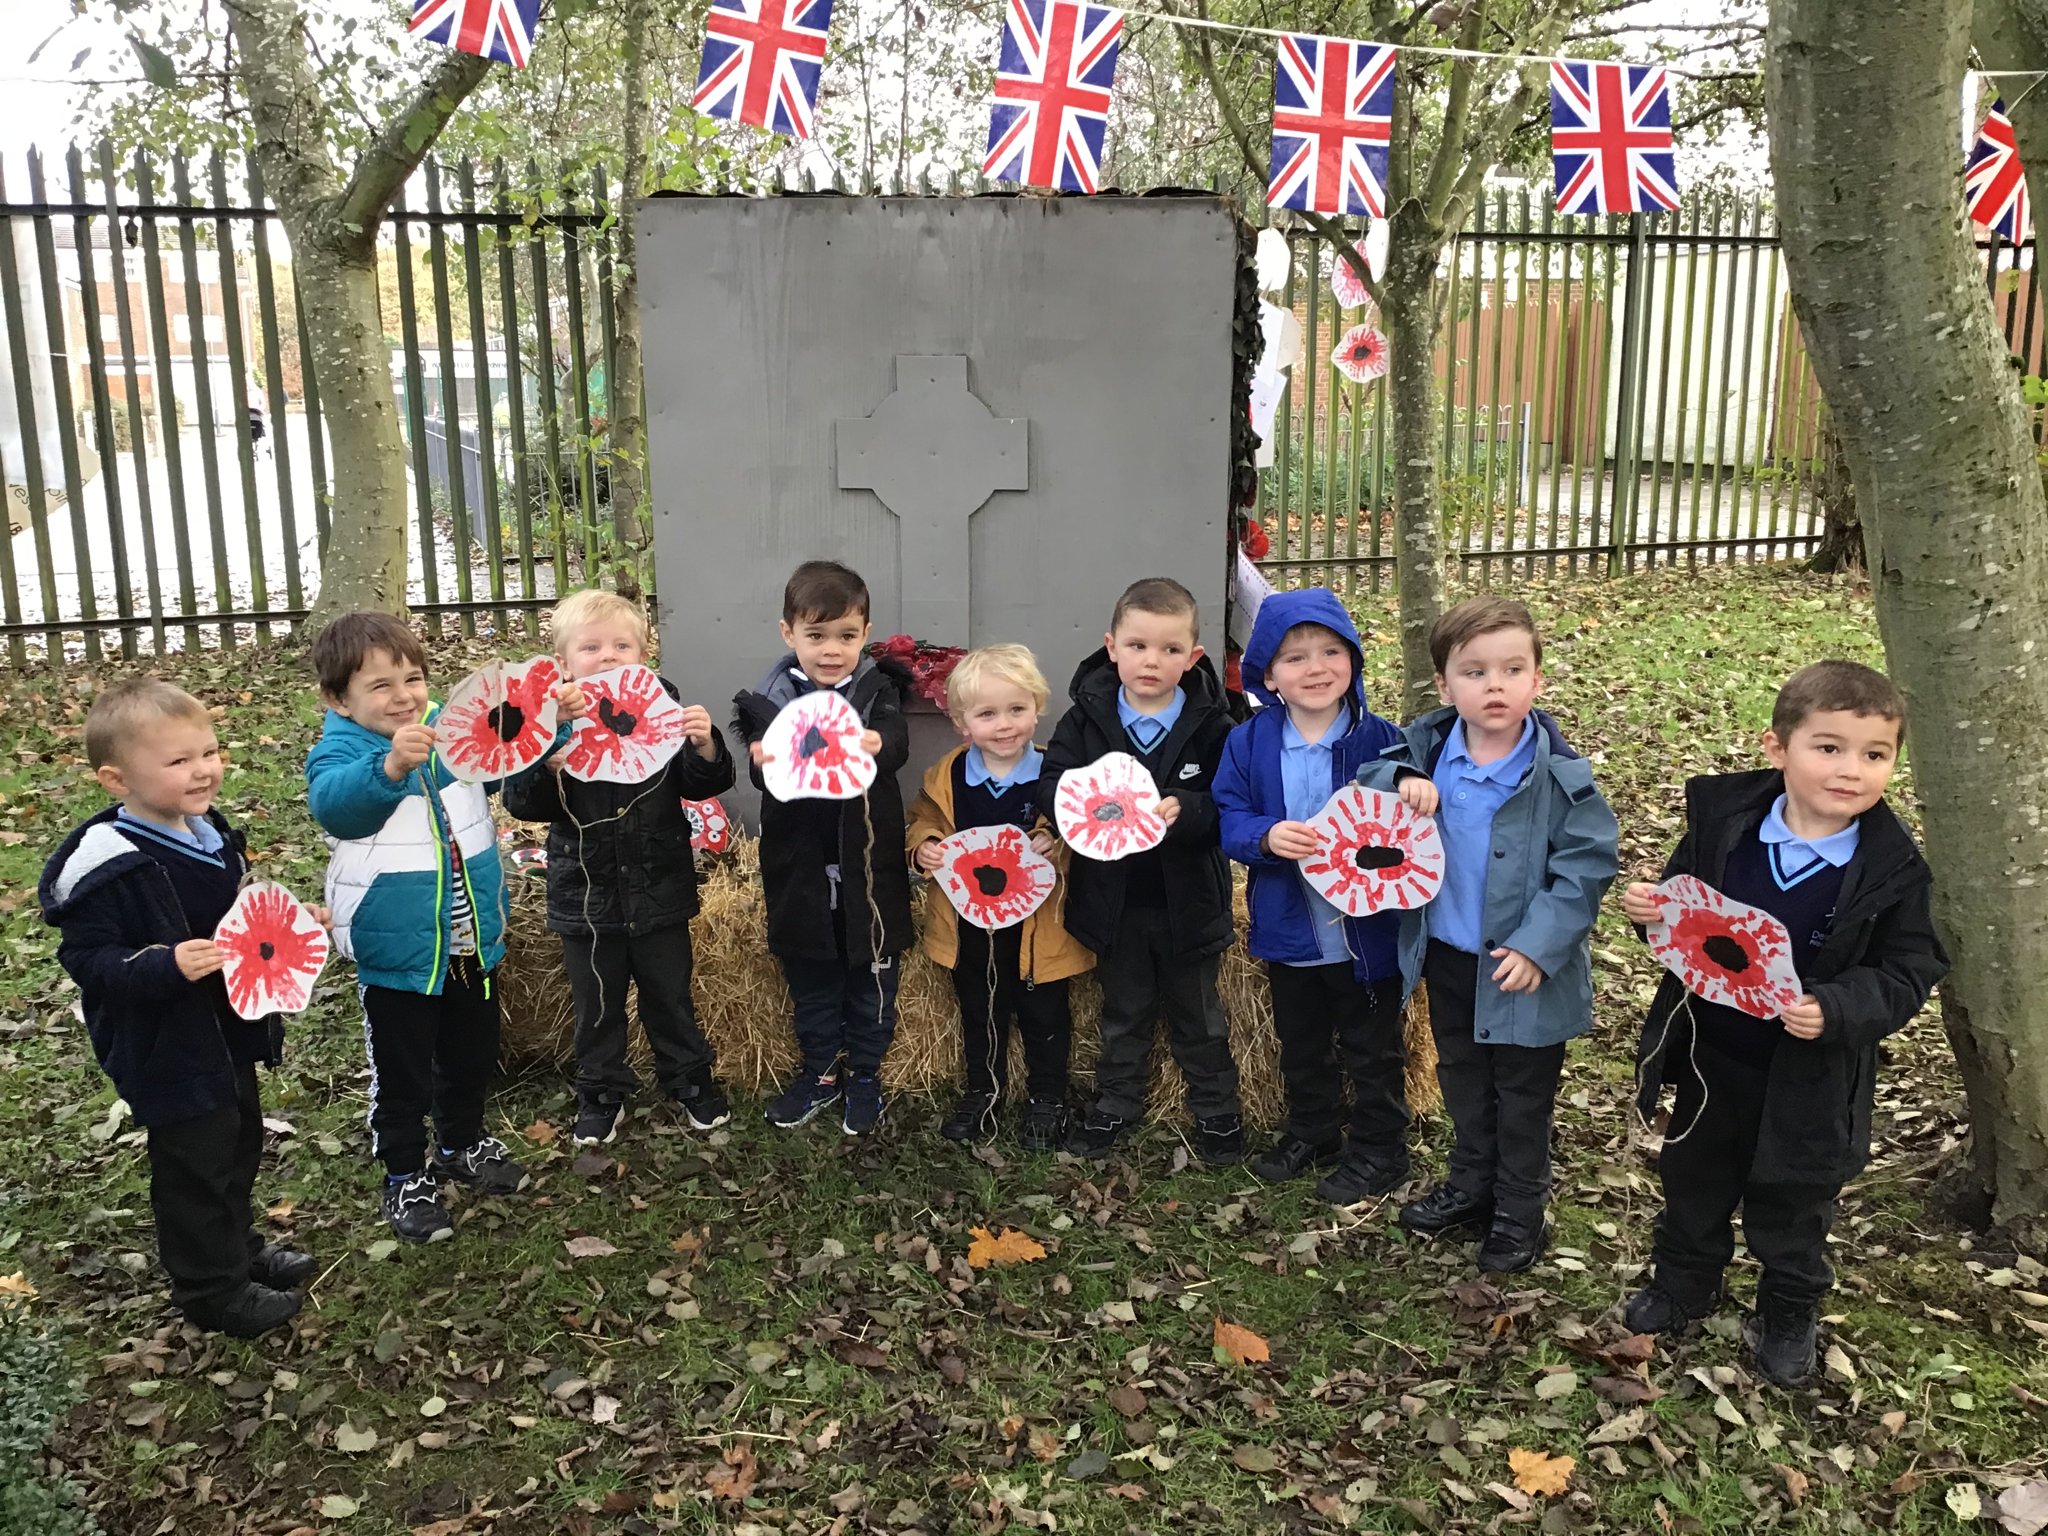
1000 411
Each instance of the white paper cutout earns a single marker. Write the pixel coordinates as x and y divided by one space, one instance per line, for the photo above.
1377 854
500 720
814 752
274 950
1110 809
1724 951
631 732
993 876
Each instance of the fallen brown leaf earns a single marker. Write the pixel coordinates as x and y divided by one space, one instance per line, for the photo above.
735 1476
1538 1473
1008 1247
1795 1482
540 1133
1240 1344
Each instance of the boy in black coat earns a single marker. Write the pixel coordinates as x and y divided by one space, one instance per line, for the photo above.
622 888
1158 921
137 892
1774 1115
836 885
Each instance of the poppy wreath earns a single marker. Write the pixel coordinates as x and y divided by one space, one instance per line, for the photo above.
1724 952
1376 854
499 720
993 876
930 665
273 951
632 729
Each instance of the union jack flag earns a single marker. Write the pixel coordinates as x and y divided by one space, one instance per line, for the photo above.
1994 183
1333 117
492 29
762 59
1053 80
1610 138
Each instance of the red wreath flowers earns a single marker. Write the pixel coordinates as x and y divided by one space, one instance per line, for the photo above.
930 665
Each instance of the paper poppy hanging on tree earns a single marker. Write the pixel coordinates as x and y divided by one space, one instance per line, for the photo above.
814 752
1109 809
1345 286
632 730
1362 355
710 827
1377 854
499 721
273 947
993 876
1725 952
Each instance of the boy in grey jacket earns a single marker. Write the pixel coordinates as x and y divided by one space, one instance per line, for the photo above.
1529 850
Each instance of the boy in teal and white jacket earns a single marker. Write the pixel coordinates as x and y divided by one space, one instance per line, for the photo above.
418 902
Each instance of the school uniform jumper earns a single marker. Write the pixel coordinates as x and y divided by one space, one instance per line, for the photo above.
1030 962
622 888
1335 980
1529 851
1765 1120
823 862
1157 921
123 894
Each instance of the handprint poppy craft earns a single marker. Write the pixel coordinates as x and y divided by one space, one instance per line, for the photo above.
813 750
993 876
273 950
710 827
1377 855
499 720
632 730
1109 809
1724 951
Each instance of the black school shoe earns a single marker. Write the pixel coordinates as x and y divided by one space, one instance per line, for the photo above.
486 1167
246 1312
1098 1134
1783 1337
1444 1210
973 1118
1654 1309
864 1104
1513 1245
702 1102
1290 1157
1361 1176
413 1207
1219 1140
1044 1127
282 1269
800 1102
597 1122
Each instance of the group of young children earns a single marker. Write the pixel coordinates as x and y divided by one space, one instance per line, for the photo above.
1772 1116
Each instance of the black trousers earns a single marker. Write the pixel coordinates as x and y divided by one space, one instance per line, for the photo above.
843 1008
1330 1027
1500 1097
1044 1020
430 1055
1141 977
658 966
201 1173
1705 1168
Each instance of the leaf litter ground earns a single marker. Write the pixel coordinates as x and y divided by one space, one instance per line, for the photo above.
768 1332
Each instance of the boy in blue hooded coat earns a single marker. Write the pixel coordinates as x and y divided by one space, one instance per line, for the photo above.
1336 980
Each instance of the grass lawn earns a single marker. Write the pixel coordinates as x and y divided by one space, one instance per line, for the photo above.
781 1332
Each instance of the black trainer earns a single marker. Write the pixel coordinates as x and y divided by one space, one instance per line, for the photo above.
973 1118
1512 1244
1445 1209
413 1207
1361 1176
1098 1134
597 1122
1219 1140
282 1269
1290 1157
863 1109
1044 1127
702 1102
247 1312
801 1101
486 1167
1783 1336
1653 1309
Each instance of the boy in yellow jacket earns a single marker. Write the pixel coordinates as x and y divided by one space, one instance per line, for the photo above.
995 696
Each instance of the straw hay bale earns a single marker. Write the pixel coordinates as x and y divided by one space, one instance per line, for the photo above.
745 1010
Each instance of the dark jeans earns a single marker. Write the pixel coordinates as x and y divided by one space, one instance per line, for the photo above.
1330 1026
843 1008
429 1054
1141 976
201 1172
1043 1019
658 965
1500 1097
1705 1172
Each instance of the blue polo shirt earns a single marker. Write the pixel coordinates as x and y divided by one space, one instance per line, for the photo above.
1470 795
1147 731
1793 858
1305 772
1025 771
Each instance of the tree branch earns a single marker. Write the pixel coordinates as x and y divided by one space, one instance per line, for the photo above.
396 152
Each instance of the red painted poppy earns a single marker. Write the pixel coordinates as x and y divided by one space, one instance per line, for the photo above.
632 730
1362 355
1377 854
1110 809
273 951
814 752
1344 282
1724 952
993 876
499 720
710 827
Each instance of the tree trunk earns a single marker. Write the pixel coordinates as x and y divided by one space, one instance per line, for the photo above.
1863 133
1834 492
365 565
1410 311
631 514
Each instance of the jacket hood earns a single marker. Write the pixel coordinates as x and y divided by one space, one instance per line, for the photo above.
1279 613
95 852
1096 684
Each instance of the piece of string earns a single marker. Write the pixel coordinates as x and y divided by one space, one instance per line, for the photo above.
877 929
1692 1052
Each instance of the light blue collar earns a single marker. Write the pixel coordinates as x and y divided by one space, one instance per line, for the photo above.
1291 739
197 833
1024 772
1140 727
1456 752
1795 852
